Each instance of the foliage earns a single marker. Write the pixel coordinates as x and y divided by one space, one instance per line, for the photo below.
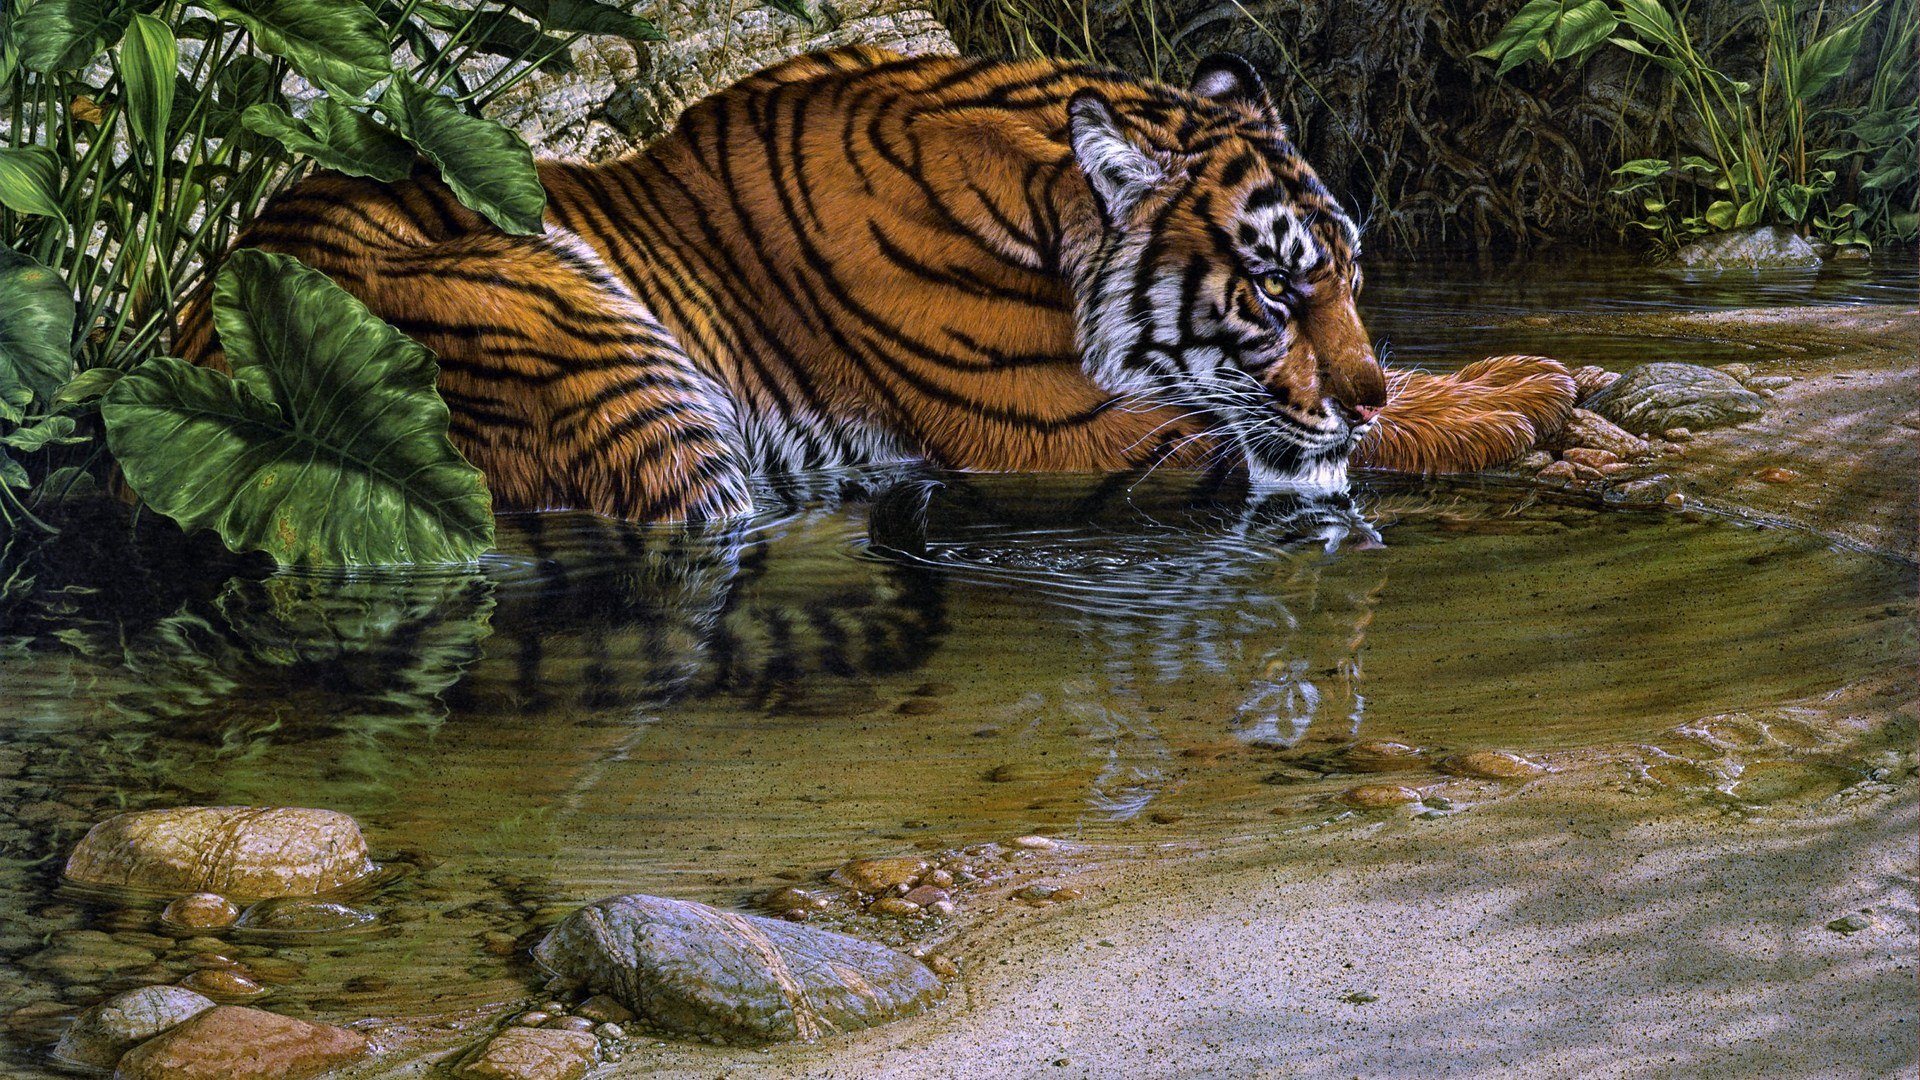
137 137
328 445
1759 147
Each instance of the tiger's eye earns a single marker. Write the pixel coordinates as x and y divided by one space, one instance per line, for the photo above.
1274 286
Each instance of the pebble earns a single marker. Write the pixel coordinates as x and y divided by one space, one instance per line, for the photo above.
1588 472
201 911
1378 796
223 984
1067 893
789 899
1590 379
1769 382
925 895
569 1023
303 915
1035 893
1676 500
1677 434
943 908
1034 842
939 877
1591 457
1850 924
1492 765
895 907
879 875
604 1009
1587 428
532 1019
1535 460
611 1032
1559 470
941 965
1777 475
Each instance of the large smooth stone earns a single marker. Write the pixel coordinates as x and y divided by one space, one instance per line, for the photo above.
1767 247
1659 397
246 851
698 970
101 1034
230 1042
520 1053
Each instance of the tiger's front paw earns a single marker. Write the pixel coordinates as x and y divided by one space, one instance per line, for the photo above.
1487 413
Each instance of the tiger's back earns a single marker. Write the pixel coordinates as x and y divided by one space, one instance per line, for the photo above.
854 257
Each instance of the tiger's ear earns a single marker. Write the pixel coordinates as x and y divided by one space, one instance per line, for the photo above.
1227 77
1119 170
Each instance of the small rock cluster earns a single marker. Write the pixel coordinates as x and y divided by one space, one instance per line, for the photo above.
552 1041
1386 756
1625 425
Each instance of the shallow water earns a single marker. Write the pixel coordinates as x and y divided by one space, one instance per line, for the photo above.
879 663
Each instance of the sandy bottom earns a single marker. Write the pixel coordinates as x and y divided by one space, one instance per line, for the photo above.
1595 922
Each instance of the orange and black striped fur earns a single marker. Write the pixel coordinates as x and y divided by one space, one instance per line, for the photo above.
854 256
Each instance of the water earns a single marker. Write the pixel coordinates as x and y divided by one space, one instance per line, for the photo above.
879 663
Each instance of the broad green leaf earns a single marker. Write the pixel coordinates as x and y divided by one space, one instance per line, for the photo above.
588 17
13 474
1581 29
336 137
1720 215
1829 57
334 44
52 431
30 181
327 446
1653 205
36 332
65 35
149 62
87 385
1643 167
488 166
1699 164
1651 20
1529 21
1793 200
1749 214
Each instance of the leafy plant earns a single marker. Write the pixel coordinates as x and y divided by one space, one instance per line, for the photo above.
1760 164
327 445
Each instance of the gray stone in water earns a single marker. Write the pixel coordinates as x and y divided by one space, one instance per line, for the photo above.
1655 397
101 1034
1768 247
701 971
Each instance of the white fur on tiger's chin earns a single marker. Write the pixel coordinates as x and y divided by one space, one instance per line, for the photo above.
1327 477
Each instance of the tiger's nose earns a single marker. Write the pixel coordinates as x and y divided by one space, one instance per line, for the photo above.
1366 412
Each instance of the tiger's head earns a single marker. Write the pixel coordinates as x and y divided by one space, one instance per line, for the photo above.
1222 277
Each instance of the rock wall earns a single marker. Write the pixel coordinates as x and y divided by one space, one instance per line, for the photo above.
624 94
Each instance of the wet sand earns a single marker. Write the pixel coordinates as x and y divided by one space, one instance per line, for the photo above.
1596 922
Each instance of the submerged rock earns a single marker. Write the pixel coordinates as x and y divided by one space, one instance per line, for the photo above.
229 1042
698 970
201 911
304 915
1768 247
246 851
1655 397
101 1034
525 1053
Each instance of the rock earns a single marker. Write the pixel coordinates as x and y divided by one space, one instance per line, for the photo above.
1378 796
39 1021
939 877
697 970
1655 397
1590 457
1777 475
894 907
941 965
1559 470
925 894
1379 755
229 1042
1534 460
1740 371
603 1009
82 956
1769 382
621 96
222 983
879 875
781 901
568 1023
1677 434
201 911
1851 253
245 851
1037 843
1850 924
1492 765
520 1053
111 1028
1590 379
1590 429
1766 247
532 1019
303 915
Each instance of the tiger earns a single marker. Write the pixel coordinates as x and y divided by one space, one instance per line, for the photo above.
857 257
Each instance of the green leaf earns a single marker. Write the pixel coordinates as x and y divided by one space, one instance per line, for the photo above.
30 181
331 43
1720 215
1673 66
13 474
488 165
1749 214
1524 37
1582 29
52 431
497 33
327 446
1829 57
65 35
149 62
87 385
1699 164
1650 19
588 17
36 332
1644 167
336 137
